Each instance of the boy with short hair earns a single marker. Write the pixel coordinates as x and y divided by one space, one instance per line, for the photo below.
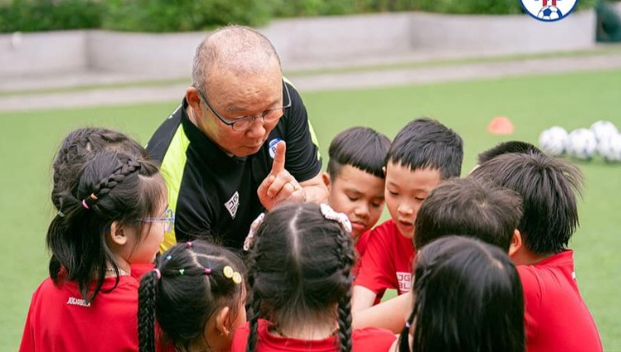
423 153
557 319
472 208
519 147
464 207
355 179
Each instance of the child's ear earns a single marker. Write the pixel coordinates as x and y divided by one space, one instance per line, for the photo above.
223 321
384 170
117 234
325 177
516 243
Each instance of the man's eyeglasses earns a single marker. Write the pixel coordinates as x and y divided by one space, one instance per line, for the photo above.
168 220
244 122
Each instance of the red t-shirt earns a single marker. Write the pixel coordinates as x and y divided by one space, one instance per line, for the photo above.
59 320
363 241
387 262
557 319
364 340
138 270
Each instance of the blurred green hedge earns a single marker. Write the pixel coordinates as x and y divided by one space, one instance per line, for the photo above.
45 15
288 8
194 15
183 15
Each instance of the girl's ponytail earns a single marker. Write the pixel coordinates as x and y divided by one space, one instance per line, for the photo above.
253 323
255 302
146 310
344 304
404 337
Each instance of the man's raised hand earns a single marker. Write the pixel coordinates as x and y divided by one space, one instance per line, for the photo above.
279 186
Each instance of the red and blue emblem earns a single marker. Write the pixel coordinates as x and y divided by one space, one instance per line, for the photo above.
549 10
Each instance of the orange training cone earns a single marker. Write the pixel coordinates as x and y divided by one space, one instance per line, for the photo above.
500 125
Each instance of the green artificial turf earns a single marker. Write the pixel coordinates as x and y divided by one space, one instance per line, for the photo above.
533 103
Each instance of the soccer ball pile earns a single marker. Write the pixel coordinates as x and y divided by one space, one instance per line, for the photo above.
603 138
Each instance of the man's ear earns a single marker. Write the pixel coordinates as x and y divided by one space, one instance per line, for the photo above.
325 177
117 234
193 98
223 322
516 243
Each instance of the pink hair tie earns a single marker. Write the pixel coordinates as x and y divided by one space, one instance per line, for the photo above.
158 273
207 271
189 244
84 204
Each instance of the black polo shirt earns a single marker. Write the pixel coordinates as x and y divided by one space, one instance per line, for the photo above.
214 195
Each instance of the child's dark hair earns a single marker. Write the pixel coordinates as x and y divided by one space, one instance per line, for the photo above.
548 188
506 148
78 146
361 147
469 207
300 270
187 288
425 143
110 187
483 313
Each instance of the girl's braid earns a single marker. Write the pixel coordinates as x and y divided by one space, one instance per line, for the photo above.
345 253
68 161
146 312
255 302
404 338
105 186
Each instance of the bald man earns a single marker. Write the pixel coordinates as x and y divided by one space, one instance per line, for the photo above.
239 144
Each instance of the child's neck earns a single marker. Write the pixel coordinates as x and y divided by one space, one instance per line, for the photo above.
198 347
525 257
305 332
110 272
124 268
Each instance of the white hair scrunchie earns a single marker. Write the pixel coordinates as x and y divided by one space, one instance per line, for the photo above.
253 229
326 211
341 218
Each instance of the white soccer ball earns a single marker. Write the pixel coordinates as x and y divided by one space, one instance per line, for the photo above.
610 148
550 13
603 130
553 141
581 144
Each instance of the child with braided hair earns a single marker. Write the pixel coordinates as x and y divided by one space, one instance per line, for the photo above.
299 275
78 146
197 295
114 216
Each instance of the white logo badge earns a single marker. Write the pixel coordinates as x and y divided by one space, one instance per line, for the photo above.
232 204
78 302
549 10
405 282
272 145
